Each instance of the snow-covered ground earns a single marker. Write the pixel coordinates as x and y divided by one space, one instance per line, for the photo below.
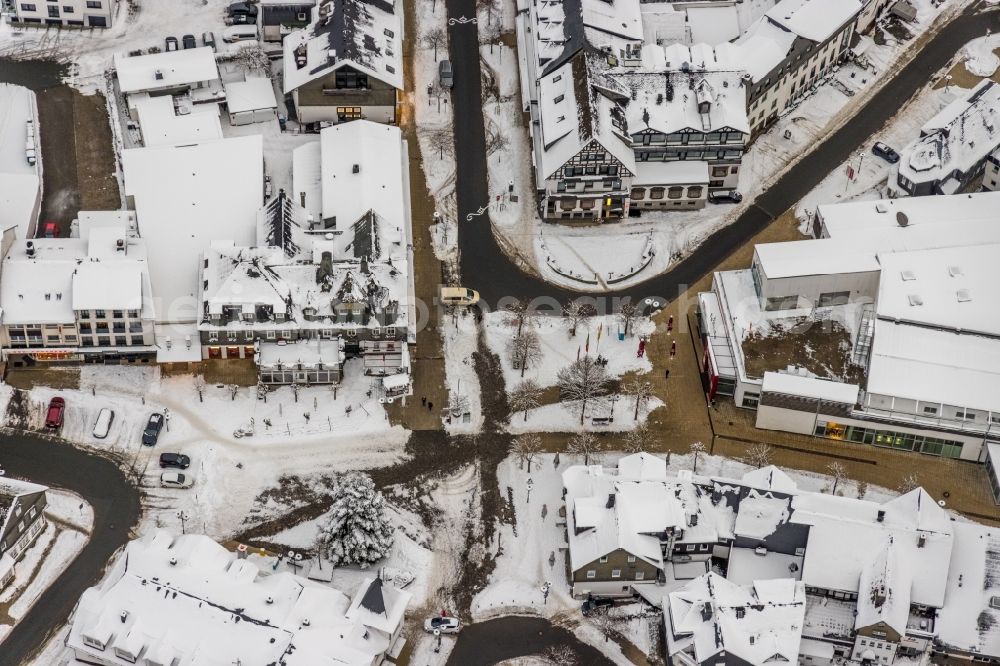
557 250
70 522
315 434
461 340
565 416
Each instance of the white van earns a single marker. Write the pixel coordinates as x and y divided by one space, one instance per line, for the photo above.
104 420
239 33
459 296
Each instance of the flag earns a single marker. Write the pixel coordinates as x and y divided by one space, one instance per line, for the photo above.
578 352
587 347
600 329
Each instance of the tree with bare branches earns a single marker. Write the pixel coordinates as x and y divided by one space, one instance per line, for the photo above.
641 391
526 396
440 141
526 448
560 655
757 456
517 310
582 444
199 386
490 7
628 313
583 382
909 482
637 439
697 450
252 57
525 349
435 37
576 312
836 471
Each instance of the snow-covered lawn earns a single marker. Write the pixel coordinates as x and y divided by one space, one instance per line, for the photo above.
315 434
71 520
556 249
565 417
461 341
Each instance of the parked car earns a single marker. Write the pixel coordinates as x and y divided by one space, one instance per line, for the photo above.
242 9
178 460
241 19
459 296
446 76
725 196
176 480
104 420
50 230
54 415
208 39
153 427
592 604
239 33
171 43
446 625
885 152
189 41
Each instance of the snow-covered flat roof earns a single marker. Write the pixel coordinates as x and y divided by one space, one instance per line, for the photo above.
810 387
162 126
935 366
972 585
861 217
816 20
713 25
254 94
104 285
309 353
825 256
177 343
681 172
362 170
165 69
214 193
19 181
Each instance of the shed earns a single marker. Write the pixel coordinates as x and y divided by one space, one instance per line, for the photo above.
251 101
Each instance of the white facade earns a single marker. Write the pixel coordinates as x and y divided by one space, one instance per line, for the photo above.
80 13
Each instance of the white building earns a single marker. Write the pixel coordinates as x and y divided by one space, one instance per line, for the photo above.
191 71
186 599
78 299
347 63
251 101
80 13
952 150
898 306
20 182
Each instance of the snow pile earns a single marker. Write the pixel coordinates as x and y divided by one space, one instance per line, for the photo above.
980 55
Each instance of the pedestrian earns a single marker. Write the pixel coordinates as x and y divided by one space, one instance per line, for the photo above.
430 406
666 373
423 400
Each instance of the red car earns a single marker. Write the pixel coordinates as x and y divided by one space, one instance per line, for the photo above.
50 230
54 417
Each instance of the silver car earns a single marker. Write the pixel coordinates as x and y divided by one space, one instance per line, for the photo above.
171 479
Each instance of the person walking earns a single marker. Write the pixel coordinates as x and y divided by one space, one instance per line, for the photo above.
666 373
423 400
430 406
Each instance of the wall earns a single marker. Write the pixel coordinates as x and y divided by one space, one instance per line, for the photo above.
603 583
81 14
318 100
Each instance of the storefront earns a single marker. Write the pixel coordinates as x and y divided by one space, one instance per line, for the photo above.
934 446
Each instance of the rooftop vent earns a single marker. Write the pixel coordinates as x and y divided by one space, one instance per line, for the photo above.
955 271
881 208
356 168
610 504
908 275
921 540
173 561
881 516
963 295
915 300
158 75
901 219
124 616
29 248
269 600
305 622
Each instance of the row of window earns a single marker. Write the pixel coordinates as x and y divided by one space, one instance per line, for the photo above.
116 327
684 139
616 573
676 192
604 170
934 446
878 645
577 186
103 314
668 155
54 9
326 334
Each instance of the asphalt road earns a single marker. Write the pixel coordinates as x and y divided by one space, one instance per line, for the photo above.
486 268
116 505
491 642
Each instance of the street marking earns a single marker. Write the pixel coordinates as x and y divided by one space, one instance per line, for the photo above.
482 209
462 20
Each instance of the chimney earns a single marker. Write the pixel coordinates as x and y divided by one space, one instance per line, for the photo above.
881 516
29 248
168 342
120 245
706 611
356 169
173 561
921 540
124 616
610 504
187 341
158 75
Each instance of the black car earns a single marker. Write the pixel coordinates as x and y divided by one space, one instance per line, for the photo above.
885 152
242 9
171 43
178 460
189 41
153 428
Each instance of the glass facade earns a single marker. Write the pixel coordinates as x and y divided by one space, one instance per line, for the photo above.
933 446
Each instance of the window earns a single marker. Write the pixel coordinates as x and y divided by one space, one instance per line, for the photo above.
631 559
694 192
559 98
638 193
719 172
604 559
25 7
93 4
656 192
348 112
675 192
965 415
639 575
689 547
930 410
117 314
591 574
390 332
616 573
271 335
100 314
349 79
834 298
67 9
53 11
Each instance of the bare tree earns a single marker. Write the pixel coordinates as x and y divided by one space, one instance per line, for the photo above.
490 7
627 314
517 310
861 488
233 390
697 450
526 448
295 390
436 91
262 390
582 444
560 655
525 349
576 312
837 472
199 386
909 482
526 396
440 140
605 623
638 439
757 455
434 38
253 57
583 381
641 391
458 404
498 143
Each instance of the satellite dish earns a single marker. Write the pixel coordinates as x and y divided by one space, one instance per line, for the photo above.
901 219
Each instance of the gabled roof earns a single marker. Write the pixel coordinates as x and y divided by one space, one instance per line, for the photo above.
365 34
884 591
10 490
165 69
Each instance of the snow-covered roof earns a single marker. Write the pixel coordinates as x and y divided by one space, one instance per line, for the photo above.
855 219
165 69
253 94
679 172
187 599
769 477
713 25
826 256
670 101
884 590
19 181
958 138
760 625
362 171
935 366
920 530
215 190
162 126
240 276
759 50
969 620
11 489
108 285
760 516
307 178
306 353
815 20
364 34
177 343
810 387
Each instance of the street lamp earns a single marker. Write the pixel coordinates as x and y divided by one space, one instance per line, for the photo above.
183 516
530 484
